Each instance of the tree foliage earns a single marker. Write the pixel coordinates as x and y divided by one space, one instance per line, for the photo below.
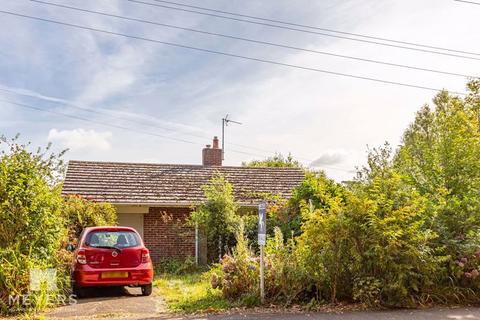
217 215
440 158
405 232
277 161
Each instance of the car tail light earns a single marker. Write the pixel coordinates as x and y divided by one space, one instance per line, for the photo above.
81 257
145 256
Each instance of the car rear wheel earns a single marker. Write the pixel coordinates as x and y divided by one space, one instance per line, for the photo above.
78 291
147 290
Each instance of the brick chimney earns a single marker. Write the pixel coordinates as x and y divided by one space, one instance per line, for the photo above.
212 156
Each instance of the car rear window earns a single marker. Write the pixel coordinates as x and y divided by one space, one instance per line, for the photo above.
117 239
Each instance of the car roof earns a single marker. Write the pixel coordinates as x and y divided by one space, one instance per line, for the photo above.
109 228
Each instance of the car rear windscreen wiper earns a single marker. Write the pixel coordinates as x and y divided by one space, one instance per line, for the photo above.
106 247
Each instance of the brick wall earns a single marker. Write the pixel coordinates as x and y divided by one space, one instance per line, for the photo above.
211 157
166 235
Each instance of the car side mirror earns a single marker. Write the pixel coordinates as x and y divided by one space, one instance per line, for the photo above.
70 247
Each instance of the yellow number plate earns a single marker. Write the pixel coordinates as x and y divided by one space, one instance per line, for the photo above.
114 275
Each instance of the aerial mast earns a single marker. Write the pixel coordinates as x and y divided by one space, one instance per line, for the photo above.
225 122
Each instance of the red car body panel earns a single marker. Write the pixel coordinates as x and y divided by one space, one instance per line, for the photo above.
102 266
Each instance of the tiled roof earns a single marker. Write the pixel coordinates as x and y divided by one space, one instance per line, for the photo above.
142 183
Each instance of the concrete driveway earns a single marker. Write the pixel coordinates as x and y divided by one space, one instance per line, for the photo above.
111 303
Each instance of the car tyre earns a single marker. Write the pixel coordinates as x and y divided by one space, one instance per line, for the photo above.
147 289
78 291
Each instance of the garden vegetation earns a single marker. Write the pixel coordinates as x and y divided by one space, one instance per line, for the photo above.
404 232
36 224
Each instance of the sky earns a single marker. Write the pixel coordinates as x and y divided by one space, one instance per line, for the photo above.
112 98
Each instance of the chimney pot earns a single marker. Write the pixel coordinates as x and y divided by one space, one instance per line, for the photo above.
215 142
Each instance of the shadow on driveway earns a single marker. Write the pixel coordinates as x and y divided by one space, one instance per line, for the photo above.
111 302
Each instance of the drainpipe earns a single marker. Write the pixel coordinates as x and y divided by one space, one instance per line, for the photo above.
197 244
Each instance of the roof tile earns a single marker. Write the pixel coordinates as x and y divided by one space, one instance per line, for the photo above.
142 183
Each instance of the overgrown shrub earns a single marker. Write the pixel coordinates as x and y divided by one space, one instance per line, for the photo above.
237 274
405 232
378 235
176 266
35 224
31 224
286 278
216 216
367 291
81 213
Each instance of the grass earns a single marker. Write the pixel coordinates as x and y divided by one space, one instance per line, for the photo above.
190 293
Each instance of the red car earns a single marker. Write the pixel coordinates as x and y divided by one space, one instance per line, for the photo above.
111 256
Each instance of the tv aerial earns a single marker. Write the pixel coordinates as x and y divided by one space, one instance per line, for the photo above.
225 122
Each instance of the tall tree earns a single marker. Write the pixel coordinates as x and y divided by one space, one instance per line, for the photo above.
440 156
278 160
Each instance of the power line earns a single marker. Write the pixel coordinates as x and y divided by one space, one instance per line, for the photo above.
470 2
98 122
318 28
132 129
252 40
308 31
272 62
94 111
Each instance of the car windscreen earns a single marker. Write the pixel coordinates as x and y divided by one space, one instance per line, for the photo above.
117 239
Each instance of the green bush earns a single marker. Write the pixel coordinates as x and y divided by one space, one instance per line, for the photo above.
216 216
35 225
367 291
286 278
405 232
237 274
176 266
31 224
379 232
81 213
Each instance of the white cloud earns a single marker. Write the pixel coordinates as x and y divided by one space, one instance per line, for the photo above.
79 139
329 158
282 110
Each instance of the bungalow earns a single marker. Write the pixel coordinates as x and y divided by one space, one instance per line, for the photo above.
156 199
